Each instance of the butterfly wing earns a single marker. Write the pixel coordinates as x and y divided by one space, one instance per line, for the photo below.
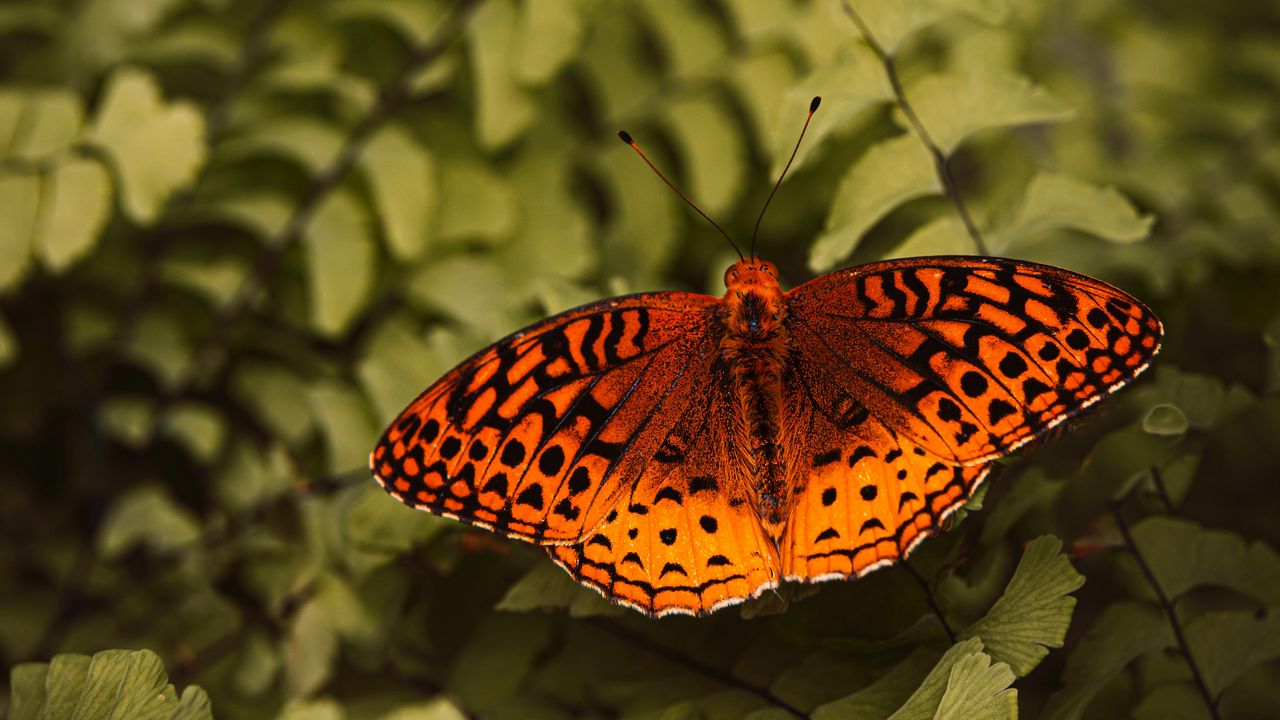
538 435
686 538
968 357
869 496
908 377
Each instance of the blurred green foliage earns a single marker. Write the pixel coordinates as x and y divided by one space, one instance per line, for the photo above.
237 236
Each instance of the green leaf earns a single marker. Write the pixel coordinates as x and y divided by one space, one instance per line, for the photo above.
438 709
19 206
1165 419
498 655
549 36
979 690
112 685
503 108
249 476
193 705
38 123
378 524
882 697
956 105
1184 555
891 23
160 342
27 691
77 204
941 236
1228 644
68 675
691 39
467 289
402 177
395 365
891 173
146 516
643 233
1124 632
475 203
413 19
277 397
849 84
198 428
1035 610
547 587
218 279
143 693
257 665
310 650
155 147
345 419
713 150
308 142
924 702
313 710
555 240
127 419
758 81
340 263
1054 201
1175 701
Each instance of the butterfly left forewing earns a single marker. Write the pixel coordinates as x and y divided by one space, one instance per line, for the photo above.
537 435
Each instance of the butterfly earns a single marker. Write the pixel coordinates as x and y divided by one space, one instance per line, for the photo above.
681 453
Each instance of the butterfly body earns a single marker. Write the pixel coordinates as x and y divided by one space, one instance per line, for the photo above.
754 349
680 452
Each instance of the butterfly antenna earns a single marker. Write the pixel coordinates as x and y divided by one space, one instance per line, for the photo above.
813 107
626 138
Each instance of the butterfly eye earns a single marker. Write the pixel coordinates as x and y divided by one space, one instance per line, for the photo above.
730 275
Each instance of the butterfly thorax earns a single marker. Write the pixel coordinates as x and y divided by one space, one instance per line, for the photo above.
753 350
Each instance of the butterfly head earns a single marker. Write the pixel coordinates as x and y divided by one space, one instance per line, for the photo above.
754 300
751 274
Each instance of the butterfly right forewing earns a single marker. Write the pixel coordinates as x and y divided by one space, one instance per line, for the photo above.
970 357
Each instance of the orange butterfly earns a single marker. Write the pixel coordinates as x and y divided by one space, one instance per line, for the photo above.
680 452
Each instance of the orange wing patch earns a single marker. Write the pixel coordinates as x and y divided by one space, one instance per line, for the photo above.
970 357
538 435
687 539
867 502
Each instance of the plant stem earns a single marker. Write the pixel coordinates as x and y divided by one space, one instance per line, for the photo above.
1157 479
1169 611
941 163
928 596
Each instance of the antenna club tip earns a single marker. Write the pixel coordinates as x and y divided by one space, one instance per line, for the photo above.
814 103
625 137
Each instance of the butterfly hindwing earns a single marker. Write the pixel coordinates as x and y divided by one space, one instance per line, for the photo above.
969 357
686 538
866 498
536 435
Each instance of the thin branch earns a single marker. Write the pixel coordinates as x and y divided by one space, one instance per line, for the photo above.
205 357
1169 611
1157 479
714 673
929 598
940 161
